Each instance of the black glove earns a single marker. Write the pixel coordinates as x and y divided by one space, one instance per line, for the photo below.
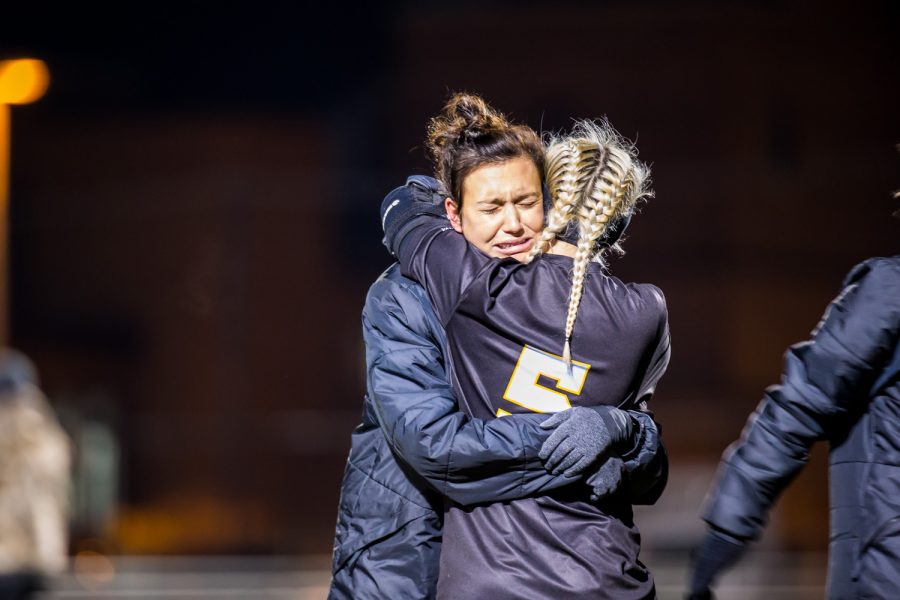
718 551
607 478
420 195
582 435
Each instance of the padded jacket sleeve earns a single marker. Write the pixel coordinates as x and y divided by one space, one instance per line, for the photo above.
468 460
647 466
825 380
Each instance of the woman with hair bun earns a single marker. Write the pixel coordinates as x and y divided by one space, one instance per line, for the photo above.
414 449
551 332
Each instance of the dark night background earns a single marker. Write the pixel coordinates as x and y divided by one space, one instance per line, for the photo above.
194 225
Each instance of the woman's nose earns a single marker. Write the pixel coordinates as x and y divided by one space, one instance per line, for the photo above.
511 220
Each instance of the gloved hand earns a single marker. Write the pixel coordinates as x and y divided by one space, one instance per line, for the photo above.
420 195
718 551
582 434
607 478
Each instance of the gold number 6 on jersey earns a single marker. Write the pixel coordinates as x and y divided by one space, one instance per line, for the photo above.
523 387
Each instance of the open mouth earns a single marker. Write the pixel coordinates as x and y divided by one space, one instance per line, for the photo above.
516 246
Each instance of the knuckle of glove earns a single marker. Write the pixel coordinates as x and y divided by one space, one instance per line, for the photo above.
569 462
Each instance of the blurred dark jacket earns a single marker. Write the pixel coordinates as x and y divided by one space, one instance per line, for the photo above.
841 386
414 448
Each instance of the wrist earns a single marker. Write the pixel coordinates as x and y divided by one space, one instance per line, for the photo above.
619 424
632 446
718 551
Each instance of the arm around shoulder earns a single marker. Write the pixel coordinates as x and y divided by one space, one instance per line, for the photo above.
468 460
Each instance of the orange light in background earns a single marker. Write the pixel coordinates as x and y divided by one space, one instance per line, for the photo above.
23 81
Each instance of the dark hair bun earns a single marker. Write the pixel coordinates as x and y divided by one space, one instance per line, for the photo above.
465 117
474 115
469 132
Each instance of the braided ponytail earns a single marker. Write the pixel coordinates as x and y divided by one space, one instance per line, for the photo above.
595 178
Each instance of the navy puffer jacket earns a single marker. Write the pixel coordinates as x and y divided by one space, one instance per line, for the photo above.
414 447
840 386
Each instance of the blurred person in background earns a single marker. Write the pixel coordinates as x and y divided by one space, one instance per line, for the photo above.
563 542
415 450
843 386
34 482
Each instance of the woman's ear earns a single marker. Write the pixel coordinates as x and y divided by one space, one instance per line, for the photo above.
452 209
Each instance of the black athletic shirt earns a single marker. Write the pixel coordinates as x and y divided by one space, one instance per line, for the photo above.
505 324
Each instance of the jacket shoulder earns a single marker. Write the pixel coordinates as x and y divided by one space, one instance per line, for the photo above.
398 309
392 284
396 294
878 283
886 269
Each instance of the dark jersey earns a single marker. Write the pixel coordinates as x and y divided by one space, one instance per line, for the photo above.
505 327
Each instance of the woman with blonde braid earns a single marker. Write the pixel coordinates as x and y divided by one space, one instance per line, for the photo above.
505 322
594 161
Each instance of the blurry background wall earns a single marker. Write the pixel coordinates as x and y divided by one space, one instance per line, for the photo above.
194 224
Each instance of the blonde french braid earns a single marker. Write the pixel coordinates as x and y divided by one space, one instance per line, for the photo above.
612 181
562 182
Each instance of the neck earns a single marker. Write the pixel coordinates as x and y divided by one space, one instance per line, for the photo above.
563 249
